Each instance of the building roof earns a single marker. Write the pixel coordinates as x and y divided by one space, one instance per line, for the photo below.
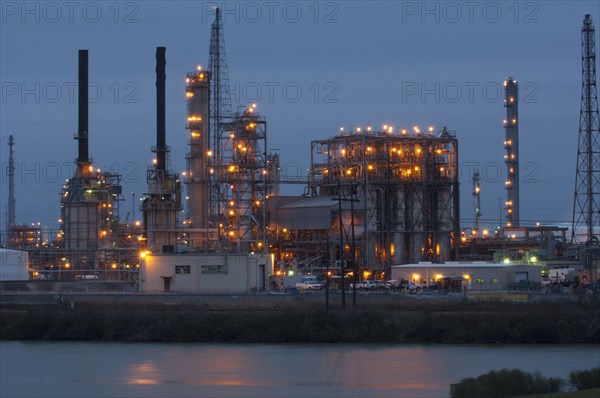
320 201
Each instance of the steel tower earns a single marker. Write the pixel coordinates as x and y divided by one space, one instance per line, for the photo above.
220 113
587 180
511 144
10 220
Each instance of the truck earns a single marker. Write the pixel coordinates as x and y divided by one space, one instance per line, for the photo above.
309 283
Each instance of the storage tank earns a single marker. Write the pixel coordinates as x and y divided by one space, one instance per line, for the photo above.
13 265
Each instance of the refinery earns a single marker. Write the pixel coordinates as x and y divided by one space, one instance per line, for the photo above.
380 205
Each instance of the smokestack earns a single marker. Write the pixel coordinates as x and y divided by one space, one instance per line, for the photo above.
511 127
161 144
82 136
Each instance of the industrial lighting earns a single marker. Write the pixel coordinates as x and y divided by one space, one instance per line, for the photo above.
467 276
534 259
144 254
506 261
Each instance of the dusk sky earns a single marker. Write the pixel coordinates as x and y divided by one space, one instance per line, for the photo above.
311 67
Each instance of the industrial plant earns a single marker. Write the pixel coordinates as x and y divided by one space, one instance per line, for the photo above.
379 203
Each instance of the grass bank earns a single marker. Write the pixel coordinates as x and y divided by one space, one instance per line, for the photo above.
303 320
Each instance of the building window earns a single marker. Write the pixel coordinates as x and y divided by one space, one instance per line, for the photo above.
183 269
494 281
479 281
213 269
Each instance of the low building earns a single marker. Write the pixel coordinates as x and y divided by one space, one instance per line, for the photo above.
474 276
204 273
13 265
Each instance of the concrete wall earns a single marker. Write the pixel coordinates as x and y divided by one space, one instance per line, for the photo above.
205 273
13 265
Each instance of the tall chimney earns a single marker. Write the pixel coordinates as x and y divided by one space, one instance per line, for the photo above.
82 134
161 144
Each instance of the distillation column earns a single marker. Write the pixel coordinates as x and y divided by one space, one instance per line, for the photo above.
511 144
198 99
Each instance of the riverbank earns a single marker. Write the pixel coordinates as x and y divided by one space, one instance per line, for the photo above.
297 319
593 393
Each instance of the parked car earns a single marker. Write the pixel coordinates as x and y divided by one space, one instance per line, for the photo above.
432 287
309 283
593 288
392 284
86 277
413 287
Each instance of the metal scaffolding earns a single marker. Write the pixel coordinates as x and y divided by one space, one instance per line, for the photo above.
408 186
247 174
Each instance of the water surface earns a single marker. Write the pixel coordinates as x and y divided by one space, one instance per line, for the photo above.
207 370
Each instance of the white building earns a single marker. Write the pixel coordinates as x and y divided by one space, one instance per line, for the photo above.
13 265
204 273
474 275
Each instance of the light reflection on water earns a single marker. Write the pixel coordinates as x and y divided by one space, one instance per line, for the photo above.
203 370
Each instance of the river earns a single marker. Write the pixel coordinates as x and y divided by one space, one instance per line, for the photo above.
206 370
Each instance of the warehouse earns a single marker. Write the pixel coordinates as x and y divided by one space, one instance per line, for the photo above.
472 276
204 273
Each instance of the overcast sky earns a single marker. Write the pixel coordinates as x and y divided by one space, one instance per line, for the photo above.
311 67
